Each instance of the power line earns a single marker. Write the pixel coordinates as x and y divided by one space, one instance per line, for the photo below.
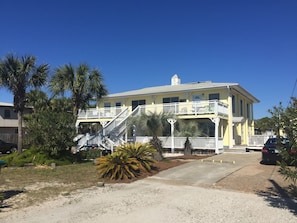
294 88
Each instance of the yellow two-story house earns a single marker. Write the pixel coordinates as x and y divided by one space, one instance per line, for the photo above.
227 105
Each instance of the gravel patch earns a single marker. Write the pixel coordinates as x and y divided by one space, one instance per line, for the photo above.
151 201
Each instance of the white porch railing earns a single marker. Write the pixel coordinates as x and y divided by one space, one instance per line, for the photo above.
179 108
206 143
257 140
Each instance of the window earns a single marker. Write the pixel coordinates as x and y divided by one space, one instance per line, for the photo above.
172 108
118 107
215 96
135 103
7 113
247 111
107 108
170 100
241 108
233 104
212 105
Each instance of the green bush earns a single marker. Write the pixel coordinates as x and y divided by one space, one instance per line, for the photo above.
117 166
143 153
128 161
35 157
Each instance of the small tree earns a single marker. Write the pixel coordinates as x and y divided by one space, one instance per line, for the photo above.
50 129
285 120
288 123
188 147
188 128
152 124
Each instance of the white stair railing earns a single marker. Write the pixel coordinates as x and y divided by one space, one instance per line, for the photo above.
111 135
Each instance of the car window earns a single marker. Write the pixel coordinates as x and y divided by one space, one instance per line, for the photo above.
271 141
275 141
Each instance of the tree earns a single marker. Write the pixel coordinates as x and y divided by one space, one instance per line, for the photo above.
156 124
264 124
277 113
83 83
288 123
152 124
285 120
50 128
38 100
18 75
188 129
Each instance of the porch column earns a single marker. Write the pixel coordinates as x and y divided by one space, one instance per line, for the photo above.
172 121
230 120
103 123
76 126
216 121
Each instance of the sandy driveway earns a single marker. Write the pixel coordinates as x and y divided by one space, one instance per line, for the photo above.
163 199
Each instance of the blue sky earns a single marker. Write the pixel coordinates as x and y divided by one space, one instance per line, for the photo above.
142 43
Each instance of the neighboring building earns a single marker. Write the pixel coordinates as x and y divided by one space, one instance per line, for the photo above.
9 122
228 105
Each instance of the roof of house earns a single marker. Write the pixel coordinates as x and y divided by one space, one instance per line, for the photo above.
4 104
183 88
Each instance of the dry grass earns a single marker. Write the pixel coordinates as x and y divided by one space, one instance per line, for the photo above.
25 186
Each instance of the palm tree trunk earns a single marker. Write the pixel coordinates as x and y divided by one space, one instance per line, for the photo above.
20 132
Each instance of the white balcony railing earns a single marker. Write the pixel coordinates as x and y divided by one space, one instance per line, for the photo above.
179 108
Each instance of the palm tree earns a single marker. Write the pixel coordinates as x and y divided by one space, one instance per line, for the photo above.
38 100
188 129
18 75
152 124
84 84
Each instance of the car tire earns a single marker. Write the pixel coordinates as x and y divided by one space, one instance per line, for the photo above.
13 150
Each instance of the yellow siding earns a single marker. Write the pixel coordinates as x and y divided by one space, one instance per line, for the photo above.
231 132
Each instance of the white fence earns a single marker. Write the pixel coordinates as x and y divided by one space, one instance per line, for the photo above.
257 140
198 143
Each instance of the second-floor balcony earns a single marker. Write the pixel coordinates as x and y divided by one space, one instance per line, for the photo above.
209 107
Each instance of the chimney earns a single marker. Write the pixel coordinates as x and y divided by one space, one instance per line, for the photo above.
175 80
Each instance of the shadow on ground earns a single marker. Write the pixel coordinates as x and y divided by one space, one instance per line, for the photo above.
4 195
279 197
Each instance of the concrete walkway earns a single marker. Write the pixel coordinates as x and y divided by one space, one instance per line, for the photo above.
207 172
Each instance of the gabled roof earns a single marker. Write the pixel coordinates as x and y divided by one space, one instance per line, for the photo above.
183 88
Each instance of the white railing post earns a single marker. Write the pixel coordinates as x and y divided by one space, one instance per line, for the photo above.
172 121
216 121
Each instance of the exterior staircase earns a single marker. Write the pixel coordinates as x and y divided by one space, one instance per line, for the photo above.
112 134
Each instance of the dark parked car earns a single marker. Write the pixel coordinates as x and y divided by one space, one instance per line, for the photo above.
272 148
6 147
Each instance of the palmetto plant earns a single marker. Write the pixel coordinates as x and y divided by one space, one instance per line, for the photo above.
128 161
117 166
141 152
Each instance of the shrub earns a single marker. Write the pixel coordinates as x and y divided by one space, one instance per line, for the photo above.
117 166
141 152
188 147
157 144
88 155
35 157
